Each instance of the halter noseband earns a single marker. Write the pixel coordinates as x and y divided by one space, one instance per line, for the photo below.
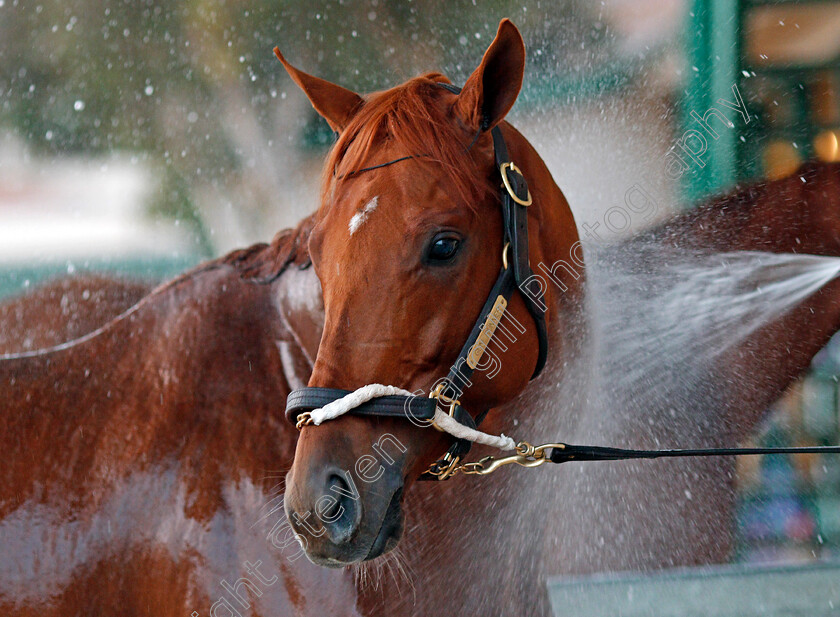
515 271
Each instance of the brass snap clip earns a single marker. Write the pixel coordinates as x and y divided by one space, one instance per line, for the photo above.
526 456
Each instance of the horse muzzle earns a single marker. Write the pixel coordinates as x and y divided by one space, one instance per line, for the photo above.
342 519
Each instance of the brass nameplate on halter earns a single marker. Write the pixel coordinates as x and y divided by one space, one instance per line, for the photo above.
483 340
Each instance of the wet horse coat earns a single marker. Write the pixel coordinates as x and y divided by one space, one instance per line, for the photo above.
144 451
64 310
138 462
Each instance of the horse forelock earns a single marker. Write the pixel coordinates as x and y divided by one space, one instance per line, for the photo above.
417 119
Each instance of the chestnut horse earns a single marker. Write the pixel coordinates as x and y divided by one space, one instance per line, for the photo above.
406 248
141 460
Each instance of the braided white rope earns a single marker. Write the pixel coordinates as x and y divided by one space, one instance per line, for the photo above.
443 420
447 423
352 400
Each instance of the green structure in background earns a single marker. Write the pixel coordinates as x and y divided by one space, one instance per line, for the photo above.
783 100
713 47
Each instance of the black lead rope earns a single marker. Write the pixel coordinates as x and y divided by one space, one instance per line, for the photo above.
534 456
599 453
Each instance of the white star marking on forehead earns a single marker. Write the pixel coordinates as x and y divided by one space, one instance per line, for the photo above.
362 215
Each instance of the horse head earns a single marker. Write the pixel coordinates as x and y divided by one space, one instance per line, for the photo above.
407 244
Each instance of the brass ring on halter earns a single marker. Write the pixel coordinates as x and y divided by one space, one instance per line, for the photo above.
437 393
503 169
505 255
304 419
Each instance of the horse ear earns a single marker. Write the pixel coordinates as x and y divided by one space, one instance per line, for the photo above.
336 104
492 89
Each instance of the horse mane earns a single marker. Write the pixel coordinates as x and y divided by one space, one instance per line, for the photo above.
265 262
413 117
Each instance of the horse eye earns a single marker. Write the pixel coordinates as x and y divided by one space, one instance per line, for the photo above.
443 248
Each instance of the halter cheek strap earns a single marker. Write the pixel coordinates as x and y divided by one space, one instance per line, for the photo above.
516 198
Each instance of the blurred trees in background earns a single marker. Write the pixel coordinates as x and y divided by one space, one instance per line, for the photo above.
191 89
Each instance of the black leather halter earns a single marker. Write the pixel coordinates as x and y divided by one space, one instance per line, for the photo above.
514 273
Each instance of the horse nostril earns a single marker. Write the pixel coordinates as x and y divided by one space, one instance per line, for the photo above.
333 510
341 514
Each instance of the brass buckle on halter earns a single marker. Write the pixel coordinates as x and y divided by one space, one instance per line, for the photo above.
506 183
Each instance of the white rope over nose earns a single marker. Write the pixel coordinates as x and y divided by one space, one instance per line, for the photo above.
442 420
